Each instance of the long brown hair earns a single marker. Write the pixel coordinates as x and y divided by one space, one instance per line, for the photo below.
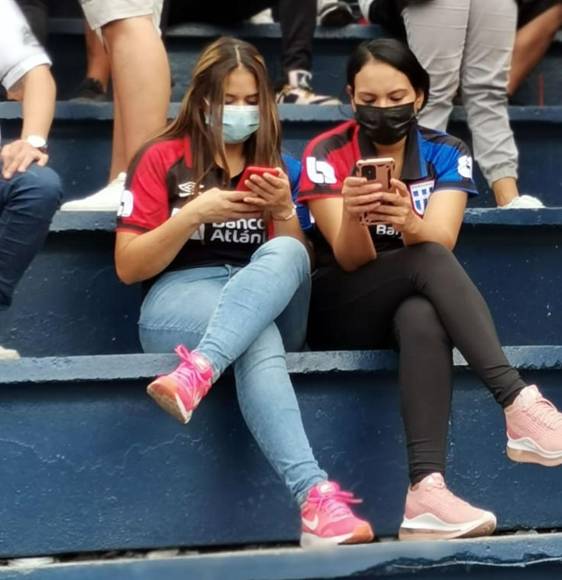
206 95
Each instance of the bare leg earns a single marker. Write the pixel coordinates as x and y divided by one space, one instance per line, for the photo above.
118 157
505 190
97 59
531 43
141 79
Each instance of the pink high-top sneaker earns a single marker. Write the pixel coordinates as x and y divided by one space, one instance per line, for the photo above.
181 391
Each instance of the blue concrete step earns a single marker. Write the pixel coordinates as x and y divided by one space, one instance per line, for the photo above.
331 50
529 556
80 143
71 303
96 466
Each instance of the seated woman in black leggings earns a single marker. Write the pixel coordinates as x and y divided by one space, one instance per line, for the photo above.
397 279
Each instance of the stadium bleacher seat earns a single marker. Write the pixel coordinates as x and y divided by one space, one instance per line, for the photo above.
91 465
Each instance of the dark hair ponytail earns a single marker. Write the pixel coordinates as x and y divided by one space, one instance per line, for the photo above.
394 53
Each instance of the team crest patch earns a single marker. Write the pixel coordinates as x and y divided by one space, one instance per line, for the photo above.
421 193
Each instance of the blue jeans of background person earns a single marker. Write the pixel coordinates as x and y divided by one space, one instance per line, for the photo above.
27 203
247 317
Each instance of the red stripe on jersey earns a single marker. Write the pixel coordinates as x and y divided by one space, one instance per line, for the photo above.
328 159
148 205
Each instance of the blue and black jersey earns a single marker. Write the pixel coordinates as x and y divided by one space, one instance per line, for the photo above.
433 161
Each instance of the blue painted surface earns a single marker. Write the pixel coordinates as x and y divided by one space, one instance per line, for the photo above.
71 303
331 49
527 556
87 129
95 465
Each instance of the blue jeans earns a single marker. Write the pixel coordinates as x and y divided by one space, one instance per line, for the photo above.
247 317
27 203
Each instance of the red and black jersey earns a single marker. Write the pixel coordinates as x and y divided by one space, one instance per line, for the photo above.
433 161
160 183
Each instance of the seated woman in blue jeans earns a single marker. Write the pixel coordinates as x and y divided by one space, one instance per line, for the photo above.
229 270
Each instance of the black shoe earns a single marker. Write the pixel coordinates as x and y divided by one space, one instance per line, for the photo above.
90 90
335 14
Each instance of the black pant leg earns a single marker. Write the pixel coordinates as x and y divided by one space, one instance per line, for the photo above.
298 22
229 12
353 310
425 373
466 317
36 13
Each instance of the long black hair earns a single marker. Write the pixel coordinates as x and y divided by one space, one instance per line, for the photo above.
391 52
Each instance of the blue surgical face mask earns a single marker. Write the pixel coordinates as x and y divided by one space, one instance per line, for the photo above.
239 122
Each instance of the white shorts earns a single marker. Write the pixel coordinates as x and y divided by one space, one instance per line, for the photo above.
98 13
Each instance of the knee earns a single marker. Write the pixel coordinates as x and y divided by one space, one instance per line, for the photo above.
444 88
292 251
431 253
43 187
417 320
124 28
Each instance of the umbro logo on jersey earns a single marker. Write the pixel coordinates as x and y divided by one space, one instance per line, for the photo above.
320 171
186 189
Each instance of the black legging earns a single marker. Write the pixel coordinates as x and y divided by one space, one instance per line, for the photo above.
421 299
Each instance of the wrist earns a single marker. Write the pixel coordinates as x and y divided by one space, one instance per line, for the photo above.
415 225
349 218
284 214
37 141
192 212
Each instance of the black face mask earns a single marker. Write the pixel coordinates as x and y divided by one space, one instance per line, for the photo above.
385 125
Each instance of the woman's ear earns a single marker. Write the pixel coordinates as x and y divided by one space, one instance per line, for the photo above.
349 91
418 103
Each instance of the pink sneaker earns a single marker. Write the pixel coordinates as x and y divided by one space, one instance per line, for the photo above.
181 391
327 519
534 429
434 513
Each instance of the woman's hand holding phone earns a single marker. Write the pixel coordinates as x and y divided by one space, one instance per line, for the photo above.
360 196
218 206
395 209
270 192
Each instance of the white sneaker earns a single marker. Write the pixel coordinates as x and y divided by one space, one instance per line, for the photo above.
523 202
333 13
8 353
107 199
299 92
263 17
31 562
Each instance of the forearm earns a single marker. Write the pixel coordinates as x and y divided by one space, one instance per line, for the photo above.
38 94
353 246
290 227
148 254
429 232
